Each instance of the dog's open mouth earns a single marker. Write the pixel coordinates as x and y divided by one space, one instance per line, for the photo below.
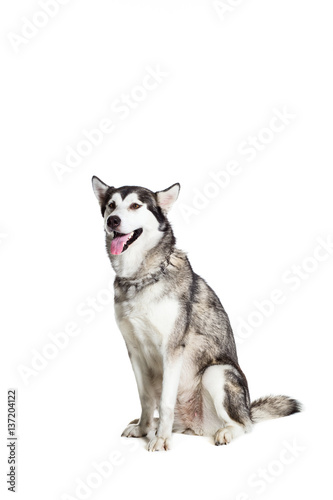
121 241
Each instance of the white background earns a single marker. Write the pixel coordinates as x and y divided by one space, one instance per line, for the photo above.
226 75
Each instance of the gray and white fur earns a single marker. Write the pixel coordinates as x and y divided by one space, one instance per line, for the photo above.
177 333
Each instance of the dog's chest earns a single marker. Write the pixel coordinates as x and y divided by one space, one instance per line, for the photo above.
147 319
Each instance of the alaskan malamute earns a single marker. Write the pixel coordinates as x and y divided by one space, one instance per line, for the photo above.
177 334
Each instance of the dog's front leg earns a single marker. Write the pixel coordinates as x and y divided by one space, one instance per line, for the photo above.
141 427
171 376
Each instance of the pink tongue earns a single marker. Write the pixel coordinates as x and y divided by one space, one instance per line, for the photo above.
117 244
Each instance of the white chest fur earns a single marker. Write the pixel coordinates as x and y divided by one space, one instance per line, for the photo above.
147 319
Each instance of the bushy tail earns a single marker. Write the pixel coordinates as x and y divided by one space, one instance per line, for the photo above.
273 407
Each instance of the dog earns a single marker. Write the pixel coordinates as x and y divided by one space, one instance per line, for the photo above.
177 333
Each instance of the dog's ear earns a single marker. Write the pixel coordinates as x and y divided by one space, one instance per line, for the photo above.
167 198
99 189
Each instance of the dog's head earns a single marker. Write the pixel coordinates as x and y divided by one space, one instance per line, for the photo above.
134 216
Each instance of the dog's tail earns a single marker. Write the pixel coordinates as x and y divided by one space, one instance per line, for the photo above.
273 407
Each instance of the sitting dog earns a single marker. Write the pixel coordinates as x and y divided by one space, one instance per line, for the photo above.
177 334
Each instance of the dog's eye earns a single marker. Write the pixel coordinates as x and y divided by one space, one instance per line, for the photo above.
112 205
135 206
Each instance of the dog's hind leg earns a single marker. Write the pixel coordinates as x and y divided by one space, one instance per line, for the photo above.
227 388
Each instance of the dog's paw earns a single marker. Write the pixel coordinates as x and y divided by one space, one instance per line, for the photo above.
223 436
135 430
159 443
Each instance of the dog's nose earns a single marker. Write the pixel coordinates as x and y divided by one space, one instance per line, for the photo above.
113 221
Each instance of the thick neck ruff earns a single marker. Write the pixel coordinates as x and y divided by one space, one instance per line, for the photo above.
148 279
